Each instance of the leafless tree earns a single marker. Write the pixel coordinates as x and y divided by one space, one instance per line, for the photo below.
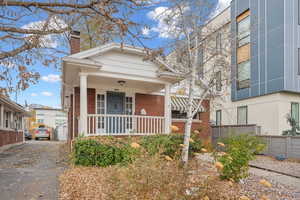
200 52
31 31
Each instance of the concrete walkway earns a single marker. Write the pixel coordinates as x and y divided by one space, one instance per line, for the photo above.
30 171
279 178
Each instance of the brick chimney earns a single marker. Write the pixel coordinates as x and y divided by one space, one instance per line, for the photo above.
75 42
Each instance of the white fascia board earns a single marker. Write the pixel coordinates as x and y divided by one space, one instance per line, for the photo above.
83 62
105 48
127 76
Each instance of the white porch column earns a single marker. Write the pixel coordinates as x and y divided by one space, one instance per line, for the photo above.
83 104
168 120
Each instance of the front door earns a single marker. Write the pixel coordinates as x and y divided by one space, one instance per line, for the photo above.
115 106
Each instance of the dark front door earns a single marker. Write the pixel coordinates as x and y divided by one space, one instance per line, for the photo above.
115 106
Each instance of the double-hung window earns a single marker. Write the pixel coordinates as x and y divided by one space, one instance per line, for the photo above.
218 117
295 112
242 115
218 81
129 111
100 110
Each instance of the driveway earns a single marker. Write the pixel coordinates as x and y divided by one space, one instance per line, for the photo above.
30 171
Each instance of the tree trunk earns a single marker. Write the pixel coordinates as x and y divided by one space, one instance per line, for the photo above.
189 121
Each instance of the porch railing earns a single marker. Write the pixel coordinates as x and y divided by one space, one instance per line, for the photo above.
104 124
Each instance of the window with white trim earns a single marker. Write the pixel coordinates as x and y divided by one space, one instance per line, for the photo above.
218 81
218 117
100 110
129 111
242 115
7 119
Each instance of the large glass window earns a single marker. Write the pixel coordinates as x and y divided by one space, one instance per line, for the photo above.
243 51
218 117
242 115
295 112
243 74
243 27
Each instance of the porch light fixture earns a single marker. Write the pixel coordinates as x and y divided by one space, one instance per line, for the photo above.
122 83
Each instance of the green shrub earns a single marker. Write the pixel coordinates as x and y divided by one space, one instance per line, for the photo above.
239 150
94 153
169 144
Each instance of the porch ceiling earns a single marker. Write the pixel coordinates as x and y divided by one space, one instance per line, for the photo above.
113 84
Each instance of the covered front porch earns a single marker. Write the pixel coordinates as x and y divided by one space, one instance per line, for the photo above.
112 90
123 106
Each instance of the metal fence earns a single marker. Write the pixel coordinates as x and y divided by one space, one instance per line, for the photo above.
219 132
285 146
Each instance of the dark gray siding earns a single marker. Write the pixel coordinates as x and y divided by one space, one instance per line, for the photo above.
267 42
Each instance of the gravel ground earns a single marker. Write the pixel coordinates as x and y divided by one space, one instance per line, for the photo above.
29 171
254 190
283 187
288 167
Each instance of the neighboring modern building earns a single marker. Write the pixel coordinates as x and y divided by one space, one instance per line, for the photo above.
11 123
265 65
112 90
50 117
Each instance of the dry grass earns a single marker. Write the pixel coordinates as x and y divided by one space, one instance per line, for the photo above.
148 179
83 183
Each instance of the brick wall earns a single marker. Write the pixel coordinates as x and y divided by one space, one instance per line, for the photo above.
10 137
91 105
75 42
153 104
203 126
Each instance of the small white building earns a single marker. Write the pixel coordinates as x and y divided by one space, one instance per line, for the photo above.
51 117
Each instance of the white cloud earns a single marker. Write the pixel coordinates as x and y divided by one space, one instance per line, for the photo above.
33 94
222 4
51 40
167 20
146 31
47 94
52 78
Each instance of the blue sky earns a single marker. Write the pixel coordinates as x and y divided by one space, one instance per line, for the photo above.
47 90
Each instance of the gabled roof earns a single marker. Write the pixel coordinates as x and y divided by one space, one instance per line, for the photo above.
77 57
7 101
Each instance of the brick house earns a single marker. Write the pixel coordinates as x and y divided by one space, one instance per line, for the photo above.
112 90
11 123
